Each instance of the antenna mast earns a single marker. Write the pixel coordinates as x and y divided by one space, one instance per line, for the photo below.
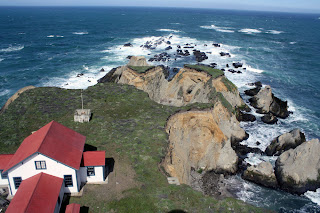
81 100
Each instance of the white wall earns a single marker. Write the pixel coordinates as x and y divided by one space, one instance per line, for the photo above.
27 169
98 177
3 182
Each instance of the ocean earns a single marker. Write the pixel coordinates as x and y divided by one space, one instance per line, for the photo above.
51 46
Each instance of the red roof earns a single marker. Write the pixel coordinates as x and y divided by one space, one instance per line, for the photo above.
93 158
38 193
73 208
54 141
4 160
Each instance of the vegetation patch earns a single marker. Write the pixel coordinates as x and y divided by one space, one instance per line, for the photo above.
141 69
215 73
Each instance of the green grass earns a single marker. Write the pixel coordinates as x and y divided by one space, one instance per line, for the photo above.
125 123
215 73
141 69
231 87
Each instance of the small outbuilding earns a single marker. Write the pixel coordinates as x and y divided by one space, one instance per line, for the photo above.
82 115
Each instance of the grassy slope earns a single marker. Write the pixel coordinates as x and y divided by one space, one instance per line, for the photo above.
215 73
141 69
130 127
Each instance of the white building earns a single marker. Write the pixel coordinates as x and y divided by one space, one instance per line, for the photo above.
57 151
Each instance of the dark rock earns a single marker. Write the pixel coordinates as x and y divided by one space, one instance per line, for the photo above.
168 48
214 184
269 119
252 92
232 70
243 150
241 116
282 143
237 65
225 54
129 57
80 74
227 65
175 70
200 56
128 45
109 77
102 70
178 46
279 107
257 84
168 42
258 143
216 45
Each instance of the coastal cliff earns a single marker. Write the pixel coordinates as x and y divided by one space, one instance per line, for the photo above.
192 84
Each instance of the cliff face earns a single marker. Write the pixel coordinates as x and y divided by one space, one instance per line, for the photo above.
201 140
188 86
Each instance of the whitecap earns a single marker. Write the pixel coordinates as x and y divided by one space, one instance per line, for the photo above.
21 33
1 59
59 36
313 196
219 29
12 48
80 33
50 36
175 23
249 31
4 92
276 32
251 69
169 30
292 42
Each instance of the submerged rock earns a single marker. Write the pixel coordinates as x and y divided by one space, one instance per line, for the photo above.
297 170
262 174
289 140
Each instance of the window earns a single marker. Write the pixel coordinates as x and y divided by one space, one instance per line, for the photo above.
17 182
68 180
90 171
40 165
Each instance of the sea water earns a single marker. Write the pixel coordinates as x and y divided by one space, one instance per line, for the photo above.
51 46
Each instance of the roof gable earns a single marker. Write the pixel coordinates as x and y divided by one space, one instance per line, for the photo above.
38 193
93 158
55 141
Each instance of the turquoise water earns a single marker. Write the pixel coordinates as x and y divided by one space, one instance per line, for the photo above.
51 46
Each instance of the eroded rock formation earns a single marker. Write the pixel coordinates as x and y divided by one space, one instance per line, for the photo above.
201 140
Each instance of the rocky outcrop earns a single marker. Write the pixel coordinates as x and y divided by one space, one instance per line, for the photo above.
269 119
188 85
262 174
201 140
297 170
138 61
289 140
14 97
246 117
266 102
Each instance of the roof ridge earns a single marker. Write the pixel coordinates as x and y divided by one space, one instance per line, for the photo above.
34 190
49 128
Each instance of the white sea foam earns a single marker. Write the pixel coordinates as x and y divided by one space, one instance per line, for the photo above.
1 59
249 31
175 23
292 42
5 92
169 30
219 29
274 32
57 36
12 48
50 36
313 196
251 69
80 33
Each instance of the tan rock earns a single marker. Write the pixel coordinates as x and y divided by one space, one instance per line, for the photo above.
201 139
138 61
